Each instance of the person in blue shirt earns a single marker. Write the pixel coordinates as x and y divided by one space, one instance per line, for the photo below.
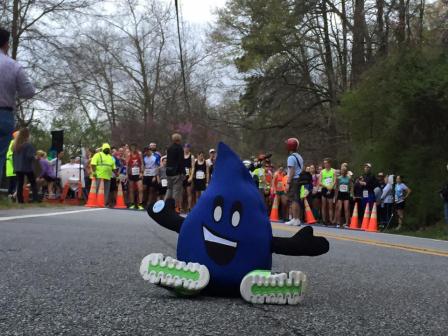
402 191
295 166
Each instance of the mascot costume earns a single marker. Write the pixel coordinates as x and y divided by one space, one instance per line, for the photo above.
225 244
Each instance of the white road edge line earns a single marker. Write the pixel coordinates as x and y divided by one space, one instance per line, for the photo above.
3 219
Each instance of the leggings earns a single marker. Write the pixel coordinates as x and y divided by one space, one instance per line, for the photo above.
20 182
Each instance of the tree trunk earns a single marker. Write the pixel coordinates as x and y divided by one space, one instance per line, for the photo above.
15 29
358 50
401 28
380 28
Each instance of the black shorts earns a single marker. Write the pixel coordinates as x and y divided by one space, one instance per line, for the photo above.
400 206
327 193
134 178
343 196
199 185
162 190
113 184
150 181
185 182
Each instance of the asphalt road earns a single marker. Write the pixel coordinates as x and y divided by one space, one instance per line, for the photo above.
77 274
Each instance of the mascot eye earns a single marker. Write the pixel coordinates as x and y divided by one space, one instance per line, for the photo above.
237 209
217 212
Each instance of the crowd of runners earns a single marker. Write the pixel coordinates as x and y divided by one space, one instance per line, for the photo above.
142 173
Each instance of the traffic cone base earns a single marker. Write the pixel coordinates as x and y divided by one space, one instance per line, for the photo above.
274 211
309 217
354 224
373 223
100 196
119 204
366 218
91 200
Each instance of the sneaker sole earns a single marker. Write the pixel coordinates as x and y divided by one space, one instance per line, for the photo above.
169 272
279 289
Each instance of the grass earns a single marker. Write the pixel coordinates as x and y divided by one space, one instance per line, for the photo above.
438 231
6 204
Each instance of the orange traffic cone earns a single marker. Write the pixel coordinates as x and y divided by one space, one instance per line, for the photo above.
91 201
366 218
65 191
309 217
354 224
274 212
100 196
119 204
373 223
26 194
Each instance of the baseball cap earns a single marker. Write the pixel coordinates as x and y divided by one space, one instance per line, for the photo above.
212 150
368 165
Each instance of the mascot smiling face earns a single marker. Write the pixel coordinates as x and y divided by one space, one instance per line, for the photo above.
228 230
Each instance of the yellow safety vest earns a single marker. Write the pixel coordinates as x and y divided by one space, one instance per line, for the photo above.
9 163
105 164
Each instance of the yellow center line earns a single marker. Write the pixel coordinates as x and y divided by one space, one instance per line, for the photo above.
409 248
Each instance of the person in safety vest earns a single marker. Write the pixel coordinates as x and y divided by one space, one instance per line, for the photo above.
103 168
10 174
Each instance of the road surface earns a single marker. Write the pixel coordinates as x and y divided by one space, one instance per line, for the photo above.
77 274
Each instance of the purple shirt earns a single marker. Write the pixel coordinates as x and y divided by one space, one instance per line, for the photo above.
13 82
46 168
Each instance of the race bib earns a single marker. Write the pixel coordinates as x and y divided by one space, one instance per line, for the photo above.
328 181
187 171
365 194
200 175
164 182
135 170
343 188
279 185
149 172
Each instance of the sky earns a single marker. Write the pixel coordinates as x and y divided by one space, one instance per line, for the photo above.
199 11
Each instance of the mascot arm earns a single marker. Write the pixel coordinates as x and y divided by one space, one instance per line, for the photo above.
164 214
303 243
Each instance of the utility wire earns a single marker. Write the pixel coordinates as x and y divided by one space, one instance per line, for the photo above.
182 65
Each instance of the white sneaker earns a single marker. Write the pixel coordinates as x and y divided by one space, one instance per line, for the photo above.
294 222
265 287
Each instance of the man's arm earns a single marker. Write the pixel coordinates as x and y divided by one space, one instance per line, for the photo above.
24 87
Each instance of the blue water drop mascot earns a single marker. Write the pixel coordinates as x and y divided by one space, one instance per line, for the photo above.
225 244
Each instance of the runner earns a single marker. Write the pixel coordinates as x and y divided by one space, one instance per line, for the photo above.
316 194
151 162
211 161
135 173
295 165
368 183
259 174
343 191
402 191
162 179
278 188
199 175
187 197
327 181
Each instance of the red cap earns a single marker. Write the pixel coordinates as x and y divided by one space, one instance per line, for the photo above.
292 144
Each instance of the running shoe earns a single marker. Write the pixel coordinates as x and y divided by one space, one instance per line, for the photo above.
266 287
140 207
294 222
132 207
184 278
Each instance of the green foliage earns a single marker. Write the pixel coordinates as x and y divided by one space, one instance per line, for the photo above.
398 119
